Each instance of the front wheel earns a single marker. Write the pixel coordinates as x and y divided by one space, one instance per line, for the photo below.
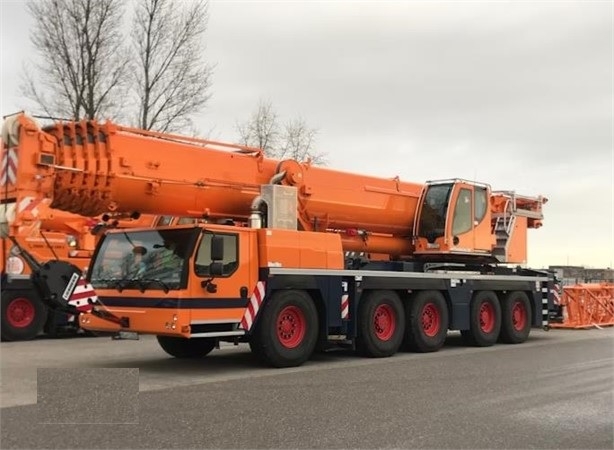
185 348
515 318
484 320
23 315
381 324
286 332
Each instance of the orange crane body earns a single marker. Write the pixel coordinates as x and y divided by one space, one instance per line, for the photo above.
132 170
283 254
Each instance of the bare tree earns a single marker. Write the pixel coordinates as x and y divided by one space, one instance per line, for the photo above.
261 130
171 80
298 143
82 61
292 140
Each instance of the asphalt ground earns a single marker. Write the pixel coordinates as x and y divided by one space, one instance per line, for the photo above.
554 391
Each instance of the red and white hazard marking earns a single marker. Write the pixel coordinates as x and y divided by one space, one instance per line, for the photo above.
8 166
556 293
253 306
29 204
83 297
345 306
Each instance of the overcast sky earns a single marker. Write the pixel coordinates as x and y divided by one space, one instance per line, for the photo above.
514 94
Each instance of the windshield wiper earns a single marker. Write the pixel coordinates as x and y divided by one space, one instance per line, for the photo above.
164 285
122 283
109 282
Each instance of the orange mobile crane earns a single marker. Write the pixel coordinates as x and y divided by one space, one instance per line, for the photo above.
287 257
46 234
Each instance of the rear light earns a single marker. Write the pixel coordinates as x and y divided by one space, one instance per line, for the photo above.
352 232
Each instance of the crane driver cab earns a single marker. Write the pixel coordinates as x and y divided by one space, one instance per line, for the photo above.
454 218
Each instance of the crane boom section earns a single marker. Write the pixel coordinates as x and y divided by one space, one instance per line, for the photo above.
90 168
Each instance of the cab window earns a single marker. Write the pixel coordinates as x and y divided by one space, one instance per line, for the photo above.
481 202
164 221
435 208
186 221
203 255
463 214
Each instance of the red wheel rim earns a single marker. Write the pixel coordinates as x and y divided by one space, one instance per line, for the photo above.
384 322
291 326
519 316
431 320
487 317
20 312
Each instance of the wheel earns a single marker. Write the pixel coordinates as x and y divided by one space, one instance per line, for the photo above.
287 330
515 318
381 324
484 320
427 322
23 315
186 348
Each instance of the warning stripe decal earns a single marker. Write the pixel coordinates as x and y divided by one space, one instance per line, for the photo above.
8 169
29 204
345 306
249 316
84 296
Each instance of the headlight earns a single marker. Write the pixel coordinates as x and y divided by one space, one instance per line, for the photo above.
71 241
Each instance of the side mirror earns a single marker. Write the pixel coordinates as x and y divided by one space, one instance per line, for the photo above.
216 269
217 248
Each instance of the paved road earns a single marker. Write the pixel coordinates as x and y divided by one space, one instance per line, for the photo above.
554 391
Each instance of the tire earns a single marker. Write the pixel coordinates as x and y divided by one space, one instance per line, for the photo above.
23 315
381 324
515 318
287 330
185 348
427 322
484 320
254 346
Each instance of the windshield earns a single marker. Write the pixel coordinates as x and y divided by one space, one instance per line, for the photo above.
434 210
152 259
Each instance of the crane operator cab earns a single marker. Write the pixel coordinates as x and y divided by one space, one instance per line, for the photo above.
455 218
459 217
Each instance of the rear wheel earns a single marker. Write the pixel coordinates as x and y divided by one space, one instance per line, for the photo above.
287 329
427 322
23 315
485 320
186 348
515 318
381 324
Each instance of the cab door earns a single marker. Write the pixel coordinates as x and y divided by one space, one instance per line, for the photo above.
469 219
224 295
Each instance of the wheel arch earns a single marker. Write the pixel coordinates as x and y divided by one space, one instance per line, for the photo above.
315 295
318 299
